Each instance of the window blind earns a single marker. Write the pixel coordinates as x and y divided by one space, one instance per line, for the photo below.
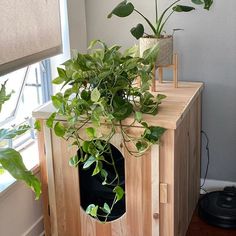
29 32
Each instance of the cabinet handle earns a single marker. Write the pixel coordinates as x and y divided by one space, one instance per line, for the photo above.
163 193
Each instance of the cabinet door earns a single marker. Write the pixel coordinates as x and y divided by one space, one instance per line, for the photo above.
141 217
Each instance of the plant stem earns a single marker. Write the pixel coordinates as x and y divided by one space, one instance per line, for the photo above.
158 31
156 10
165 21
150 24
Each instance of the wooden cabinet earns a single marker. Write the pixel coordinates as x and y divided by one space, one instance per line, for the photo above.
162 188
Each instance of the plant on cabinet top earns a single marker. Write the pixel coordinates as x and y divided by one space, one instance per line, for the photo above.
125 9
101 89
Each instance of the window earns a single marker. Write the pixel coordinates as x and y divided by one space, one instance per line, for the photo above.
32 88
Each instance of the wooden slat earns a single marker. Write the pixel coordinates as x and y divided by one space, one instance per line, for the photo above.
155 191
44 179
181 187
167 176
66 188
51 182
88 225
133 178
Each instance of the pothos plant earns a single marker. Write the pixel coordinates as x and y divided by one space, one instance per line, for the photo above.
125 9
10 159
101 89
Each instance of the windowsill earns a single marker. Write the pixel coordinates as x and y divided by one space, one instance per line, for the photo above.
31 160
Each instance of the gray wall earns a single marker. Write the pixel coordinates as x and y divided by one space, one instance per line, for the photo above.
207 50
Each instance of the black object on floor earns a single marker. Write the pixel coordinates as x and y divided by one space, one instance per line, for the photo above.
218 208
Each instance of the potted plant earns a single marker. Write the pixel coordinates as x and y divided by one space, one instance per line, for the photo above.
100 90
157 36
10 159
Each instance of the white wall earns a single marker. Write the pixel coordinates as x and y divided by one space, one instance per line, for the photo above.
207 50
77 25
20 214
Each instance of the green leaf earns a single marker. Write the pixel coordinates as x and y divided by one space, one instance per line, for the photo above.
50 120
74 161
153 133
138 116
58 80
97 168
182 8
161 96
57 100
122 108
119 193
59 129
92 210
3 96
85 146
62 73
37 125
197 2
95 116
207 4
104 174
144 124
131 52
2 171
12 133
141 146
123 9
95 95
89 162
85 95
124 112
106 208
11 161
137 31
151 54
91 132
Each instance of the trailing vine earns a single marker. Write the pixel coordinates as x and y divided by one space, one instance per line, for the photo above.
100 88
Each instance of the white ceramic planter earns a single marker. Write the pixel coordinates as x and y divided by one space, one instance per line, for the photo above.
165 55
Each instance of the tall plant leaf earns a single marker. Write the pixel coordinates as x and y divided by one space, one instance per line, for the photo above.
137 31
182 8
207 4
197 2
123 9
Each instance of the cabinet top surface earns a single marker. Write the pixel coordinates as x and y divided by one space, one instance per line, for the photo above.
171 111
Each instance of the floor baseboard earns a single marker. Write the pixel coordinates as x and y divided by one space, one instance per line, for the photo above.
215 185
37 229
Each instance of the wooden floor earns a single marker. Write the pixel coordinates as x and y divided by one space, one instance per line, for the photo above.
198 227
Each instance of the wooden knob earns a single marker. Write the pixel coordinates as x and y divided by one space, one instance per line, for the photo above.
156 216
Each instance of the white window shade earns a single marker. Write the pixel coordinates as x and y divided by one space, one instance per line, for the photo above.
29 32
